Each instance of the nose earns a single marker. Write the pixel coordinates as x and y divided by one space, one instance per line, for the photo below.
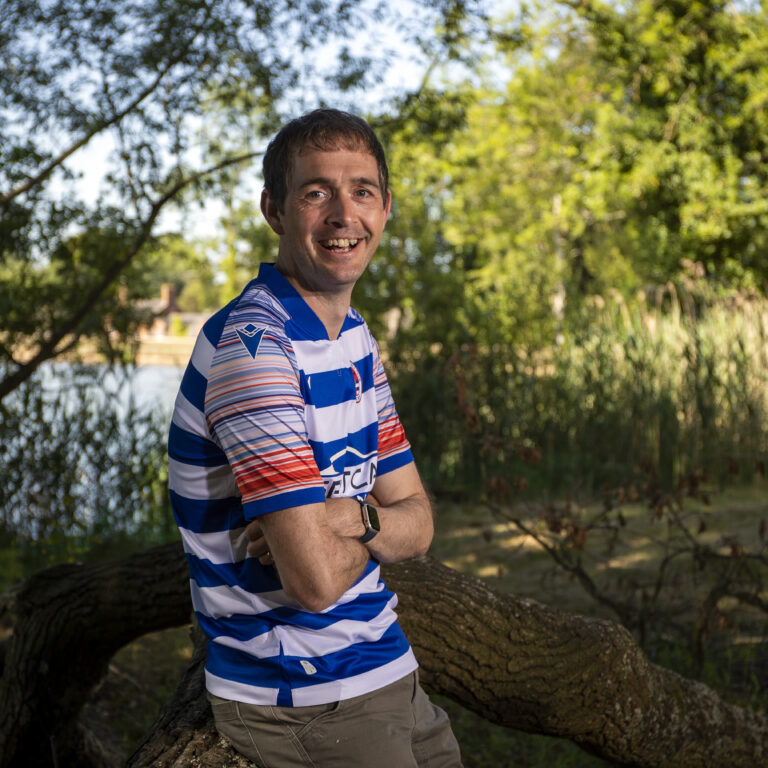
341 212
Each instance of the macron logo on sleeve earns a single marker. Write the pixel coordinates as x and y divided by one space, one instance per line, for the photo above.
251 335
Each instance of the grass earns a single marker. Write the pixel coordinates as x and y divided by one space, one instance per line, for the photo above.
141 678
474 540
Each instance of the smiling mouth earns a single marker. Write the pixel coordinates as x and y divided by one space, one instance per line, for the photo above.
340 245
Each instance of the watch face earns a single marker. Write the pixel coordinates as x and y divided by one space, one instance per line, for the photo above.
370 521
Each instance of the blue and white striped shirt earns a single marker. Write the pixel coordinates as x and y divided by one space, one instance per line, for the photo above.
273 414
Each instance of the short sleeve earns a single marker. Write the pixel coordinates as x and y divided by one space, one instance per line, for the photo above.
255 412
394 449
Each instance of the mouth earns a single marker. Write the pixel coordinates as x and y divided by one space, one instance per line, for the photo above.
341 245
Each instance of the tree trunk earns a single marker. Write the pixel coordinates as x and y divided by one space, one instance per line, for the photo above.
70 620
516 662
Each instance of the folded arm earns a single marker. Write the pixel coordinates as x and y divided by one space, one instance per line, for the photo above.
316 564
316 547
405 515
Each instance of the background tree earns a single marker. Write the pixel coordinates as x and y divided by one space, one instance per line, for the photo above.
140 74
594 149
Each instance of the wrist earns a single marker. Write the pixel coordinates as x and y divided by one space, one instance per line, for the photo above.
370 519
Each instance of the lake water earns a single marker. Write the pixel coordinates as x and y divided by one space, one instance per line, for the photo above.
157 385
152 387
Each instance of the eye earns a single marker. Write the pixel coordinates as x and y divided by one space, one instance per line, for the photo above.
314 194
364 193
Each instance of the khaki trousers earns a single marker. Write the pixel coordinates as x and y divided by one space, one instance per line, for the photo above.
394 727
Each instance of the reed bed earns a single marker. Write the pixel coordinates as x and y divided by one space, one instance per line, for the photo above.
671 383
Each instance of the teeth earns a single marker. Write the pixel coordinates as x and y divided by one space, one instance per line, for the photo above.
342 243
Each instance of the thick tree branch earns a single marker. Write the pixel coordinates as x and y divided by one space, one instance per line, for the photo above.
514 661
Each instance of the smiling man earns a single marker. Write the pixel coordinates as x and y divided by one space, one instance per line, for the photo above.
292 480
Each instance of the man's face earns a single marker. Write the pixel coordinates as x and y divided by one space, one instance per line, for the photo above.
332 219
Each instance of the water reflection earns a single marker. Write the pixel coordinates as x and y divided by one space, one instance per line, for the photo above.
148 387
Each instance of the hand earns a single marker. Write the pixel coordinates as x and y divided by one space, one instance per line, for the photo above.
257 544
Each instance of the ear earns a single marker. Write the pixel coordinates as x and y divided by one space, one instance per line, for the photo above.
271 212
388 206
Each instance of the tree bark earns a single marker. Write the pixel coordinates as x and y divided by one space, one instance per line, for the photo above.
514 661
70 620
531 667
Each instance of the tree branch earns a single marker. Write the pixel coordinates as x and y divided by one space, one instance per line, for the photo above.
49 348
101 126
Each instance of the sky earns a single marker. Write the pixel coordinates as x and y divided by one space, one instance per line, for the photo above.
405 72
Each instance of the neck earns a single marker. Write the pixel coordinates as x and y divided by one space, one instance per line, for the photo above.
331 308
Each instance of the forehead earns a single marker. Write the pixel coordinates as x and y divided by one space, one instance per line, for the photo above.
339 164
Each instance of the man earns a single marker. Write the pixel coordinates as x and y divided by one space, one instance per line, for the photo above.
291 480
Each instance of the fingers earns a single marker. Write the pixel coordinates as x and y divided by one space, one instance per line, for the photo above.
259 548
253 530
257 545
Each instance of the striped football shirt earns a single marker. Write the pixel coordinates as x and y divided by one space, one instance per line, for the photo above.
273 414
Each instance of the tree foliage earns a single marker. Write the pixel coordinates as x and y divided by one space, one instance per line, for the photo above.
613 144
595 148
143 76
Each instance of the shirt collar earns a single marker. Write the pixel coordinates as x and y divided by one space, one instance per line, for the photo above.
301 313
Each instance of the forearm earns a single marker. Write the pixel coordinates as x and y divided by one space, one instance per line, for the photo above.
406 530
339 564
315 563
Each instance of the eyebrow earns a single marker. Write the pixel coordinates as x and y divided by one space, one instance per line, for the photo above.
357 181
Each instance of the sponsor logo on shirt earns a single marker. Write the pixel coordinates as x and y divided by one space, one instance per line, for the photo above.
359 478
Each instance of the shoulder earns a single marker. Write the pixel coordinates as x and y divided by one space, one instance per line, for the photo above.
258 306
251 347
252 324
254 364
255 306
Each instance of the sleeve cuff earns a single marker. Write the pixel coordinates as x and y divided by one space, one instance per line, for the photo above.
393 462
260 507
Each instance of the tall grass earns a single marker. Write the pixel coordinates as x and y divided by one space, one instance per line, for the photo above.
83 468
673 382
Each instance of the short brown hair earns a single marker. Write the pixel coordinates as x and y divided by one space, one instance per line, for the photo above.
323 129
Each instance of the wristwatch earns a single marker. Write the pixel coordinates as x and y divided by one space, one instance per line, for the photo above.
370 521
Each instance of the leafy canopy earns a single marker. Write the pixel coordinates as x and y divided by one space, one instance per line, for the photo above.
145 77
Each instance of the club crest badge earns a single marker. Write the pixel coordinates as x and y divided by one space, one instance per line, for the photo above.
358 382
251 335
